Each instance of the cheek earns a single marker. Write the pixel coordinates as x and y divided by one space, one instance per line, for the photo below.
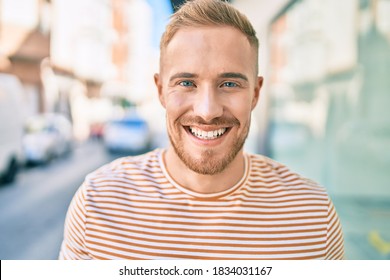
240 108
176 103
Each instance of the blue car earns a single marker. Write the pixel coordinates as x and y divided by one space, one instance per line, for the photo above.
130 134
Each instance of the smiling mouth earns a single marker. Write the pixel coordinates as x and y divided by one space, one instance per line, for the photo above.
207 135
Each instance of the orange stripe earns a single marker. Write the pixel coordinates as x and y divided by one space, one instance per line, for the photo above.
200 228
195 242
178 235
197 250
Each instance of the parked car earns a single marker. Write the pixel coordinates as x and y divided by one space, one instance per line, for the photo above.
47 136
11 126
130 134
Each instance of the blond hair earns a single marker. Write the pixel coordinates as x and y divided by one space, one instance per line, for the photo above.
198 13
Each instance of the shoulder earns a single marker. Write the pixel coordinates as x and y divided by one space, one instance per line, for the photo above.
125 167
272 170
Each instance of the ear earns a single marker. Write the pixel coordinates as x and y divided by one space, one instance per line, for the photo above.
158 83
256 96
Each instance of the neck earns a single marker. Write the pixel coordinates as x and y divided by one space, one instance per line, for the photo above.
200 183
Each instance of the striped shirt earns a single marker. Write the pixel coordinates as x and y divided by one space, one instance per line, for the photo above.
132 209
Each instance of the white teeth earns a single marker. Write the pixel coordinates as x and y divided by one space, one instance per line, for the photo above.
207 134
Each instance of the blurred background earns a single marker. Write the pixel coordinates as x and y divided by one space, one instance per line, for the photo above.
77 91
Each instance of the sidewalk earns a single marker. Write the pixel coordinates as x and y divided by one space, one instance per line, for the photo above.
366 226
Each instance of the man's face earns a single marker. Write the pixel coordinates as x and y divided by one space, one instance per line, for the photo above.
208 86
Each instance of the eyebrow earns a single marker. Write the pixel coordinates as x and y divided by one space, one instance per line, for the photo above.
223 75
234 75
183 75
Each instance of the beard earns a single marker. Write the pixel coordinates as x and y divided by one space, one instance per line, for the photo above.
210 161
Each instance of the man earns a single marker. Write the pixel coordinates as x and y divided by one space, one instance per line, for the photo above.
203 197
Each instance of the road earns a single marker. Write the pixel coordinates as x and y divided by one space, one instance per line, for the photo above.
33 209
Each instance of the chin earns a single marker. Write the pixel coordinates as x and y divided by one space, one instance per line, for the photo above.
209 161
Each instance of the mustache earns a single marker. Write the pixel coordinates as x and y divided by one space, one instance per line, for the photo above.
220 121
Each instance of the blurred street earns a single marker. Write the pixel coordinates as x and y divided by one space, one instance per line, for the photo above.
32 210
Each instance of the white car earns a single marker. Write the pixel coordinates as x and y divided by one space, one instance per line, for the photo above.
130 134
11 126
47 136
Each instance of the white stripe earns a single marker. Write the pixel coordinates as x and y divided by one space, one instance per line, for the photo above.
305 211
130 200
208 230
103 181
241 199
168 247
209 239
198 254
204 217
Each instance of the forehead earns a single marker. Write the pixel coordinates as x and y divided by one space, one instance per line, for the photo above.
209 47
197 32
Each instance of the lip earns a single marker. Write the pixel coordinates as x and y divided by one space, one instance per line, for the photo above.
207 142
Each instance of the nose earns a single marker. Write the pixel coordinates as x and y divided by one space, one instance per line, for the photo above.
208 105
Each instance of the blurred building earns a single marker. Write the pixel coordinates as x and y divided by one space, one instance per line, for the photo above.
24 42
66 51
329 67
81 41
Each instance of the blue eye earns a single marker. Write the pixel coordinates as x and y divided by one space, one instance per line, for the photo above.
186 84
229 84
